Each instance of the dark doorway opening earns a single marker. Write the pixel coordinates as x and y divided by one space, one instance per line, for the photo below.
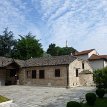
12 74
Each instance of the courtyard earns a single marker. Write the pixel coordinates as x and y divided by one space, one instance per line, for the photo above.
33 96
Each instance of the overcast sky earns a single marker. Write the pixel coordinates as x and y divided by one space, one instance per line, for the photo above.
83 23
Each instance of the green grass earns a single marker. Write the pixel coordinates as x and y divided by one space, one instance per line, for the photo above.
99 103
3 99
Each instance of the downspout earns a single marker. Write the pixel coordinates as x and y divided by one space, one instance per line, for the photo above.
67 77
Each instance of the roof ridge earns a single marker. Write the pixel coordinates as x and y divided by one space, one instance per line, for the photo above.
83 52
51 57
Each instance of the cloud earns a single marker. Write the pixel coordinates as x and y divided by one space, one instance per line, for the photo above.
12 15
83 23
48 7
96 40
77 21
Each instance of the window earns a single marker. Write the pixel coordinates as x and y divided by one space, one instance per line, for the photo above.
28 74
57 72
76 72
82 65
41 74
33 73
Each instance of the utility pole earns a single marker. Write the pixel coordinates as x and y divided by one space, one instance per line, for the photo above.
66 43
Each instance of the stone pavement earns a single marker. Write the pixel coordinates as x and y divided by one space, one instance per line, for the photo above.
33 96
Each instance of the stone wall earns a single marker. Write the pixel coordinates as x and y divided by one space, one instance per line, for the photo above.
2 76
77 64
86 79
49 80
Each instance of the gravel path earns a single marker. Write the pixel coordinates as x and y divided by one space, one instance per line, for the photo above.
32 96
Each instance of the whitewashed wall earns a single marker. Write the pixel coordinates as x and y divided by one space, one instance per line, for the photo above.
83 57
92 52
105 63
97 64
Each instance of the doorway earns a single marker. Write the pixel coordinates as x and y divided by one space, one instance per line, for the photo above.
12 74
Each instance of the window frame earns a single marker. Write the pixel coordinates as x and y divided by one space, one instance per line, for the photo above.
41 74
77 73
28 74
57 73
34 74
83 65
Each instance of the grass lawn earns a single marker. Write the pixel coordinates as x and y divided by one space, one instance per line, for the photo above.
99 103
3 99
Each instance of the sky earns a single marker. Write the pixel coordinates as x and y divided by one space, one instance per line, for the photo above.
82 23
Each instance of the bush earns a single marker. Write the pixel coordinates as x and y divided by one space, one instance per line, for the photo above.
90 98
106 90
100 77
100 93
73 104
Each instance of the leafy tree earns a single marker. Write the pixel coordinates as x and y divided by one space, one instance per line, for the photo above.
27 46
67 50
46 55
6 43
53 50
57 51
100 77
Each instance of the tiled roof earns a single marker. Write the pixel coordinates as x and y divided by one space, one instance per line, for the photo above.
83 52
47 61
85 72
21 63
6 61
97 57
43 61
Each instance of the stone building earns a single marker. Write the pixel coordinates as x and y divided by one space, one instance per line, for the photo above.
58 71
96 61
86 54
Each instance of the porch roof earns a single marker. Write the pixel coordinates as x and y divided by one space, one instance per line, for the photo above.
85 72
7 61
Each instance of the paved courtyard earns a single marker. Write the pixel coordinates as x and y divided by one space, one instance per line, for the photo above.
32 96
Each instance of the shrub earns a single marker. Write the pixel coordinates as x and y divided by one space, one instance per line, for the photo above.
73 104
106 90
100 77
100 93
90 98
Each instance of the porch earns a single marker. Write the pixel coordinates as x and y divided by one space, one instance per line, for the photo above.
9 74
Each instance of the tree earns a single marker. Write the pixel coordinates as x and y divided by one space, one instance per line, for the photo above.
6 43
53 50
27 46
57 51
100 77
67 50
